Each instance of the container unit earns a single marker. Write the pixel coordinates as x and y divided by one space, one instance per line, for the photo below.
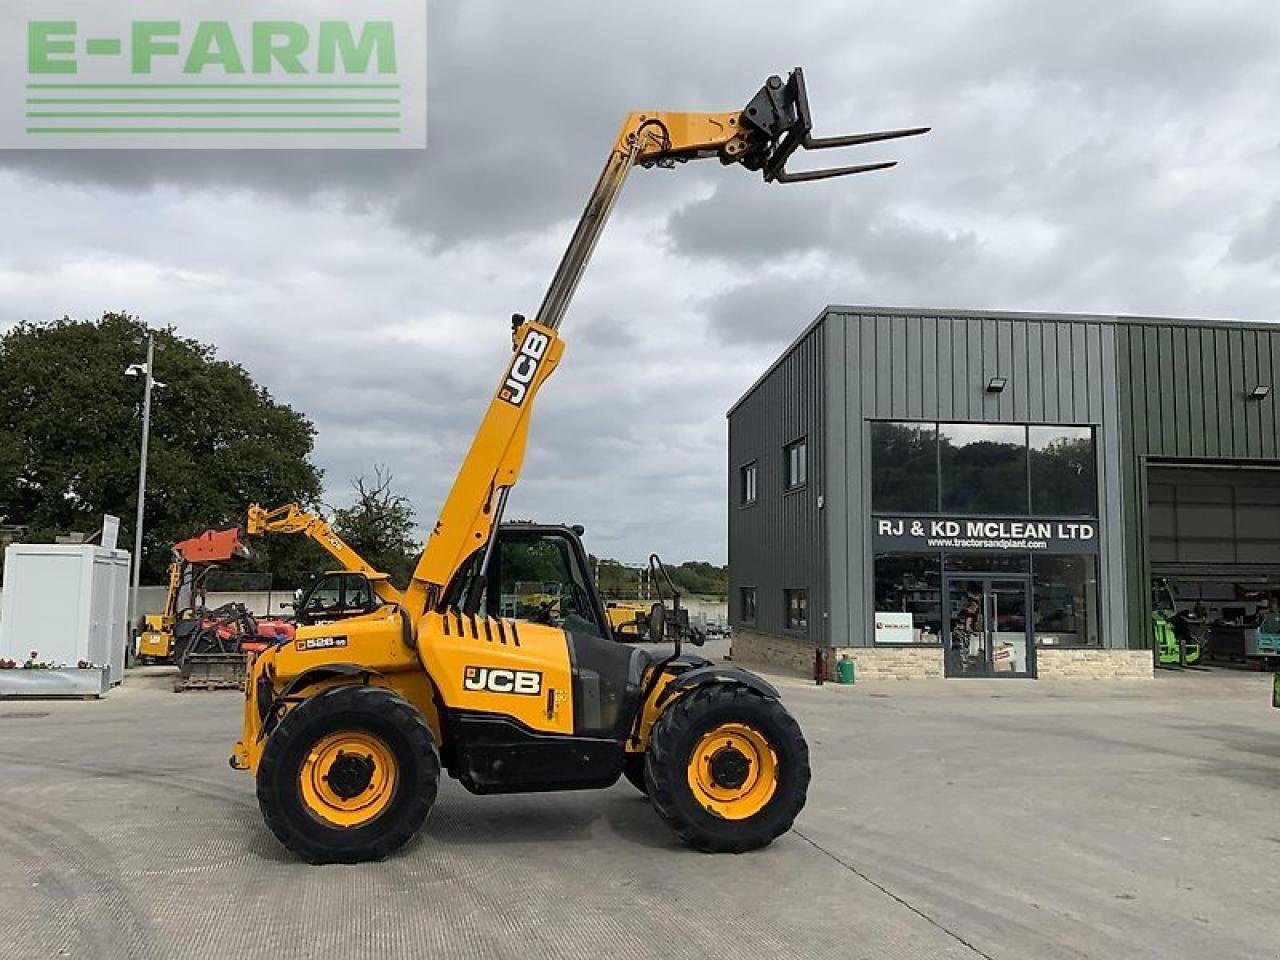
68 603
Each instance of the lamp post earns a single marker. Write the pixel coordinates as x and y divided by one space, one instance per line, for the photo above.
145 370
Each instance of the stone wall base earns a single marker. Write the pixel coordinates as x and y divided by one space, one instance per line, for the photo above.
1094 664
791 655
771 652
892 663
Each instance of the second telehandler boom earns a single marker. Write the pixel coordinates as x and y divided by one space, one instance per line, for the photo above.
346 729
291 518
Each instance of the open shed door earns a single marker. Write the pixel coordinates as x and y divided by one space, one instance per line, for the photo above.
1213 520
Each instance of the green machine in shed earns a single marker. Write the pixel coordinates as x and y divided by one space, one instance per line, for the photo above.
1179 640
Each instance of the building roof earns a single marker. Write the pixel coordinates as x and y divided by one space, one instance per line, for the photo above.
942 314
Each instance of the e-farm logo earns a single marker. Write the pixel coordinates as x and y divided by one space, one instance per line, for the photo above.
212 74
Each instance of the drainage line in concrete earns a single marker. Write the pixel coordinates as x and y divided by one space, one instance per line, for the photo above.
893 896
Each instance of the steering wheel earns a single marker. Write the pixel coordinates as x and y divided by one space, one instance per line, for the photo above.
543 613
579 602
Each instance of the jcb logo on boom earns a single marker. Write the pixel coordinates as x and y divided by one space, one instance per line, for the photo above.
493 680
524 367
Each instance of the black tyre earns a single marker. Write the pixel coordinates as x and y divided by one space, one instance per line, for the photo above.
349 775
657 623
633 770
727 768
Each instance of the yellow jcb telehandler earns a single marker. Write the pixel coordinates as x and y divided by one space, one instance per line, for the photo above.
347 727
292 519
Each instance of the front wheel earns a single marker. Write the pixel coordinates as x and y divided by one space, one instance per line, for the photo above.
727 768
349 775
633 770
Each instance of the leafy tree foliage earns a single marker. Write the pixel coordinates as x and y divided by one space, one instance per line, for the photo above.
380 526
693 577
70 435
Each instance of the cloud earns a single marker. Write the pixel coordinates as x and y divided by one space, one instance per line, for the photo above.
1092 157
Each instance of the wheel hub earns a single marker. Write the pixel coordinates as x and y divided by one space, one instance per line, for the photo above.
348 778
350 775
733 771
730 767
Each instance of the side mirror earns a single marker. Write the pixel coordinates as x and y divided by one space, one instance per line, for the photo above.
287 604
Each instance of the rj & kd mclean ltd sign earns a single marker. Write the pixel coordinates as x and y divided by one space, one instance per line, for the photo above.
1000 534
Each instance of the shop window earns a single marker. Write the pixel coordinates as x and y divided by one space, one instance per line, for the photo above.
984 468
1064 471
747 595
797 606
1066 601
747 484
904 467
795 458
908 598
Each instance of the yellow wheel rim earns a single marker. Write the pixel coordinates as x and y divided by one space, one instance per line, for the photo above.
733 772
347 778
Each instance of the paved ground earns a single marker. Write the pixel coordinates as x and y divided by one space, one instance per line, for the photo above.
1000 819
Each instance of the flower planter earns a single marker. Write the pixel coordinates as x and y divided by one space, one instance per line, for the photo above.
60 682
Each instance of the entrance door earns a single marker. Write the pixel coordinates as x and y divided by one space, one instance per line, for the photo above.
989 627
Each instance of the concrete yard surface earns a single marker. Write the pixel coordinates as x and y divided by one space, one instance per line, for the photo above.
994 818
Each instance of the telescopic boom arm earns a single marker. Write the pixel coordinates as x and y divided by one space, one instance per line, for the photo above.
291 518
761 137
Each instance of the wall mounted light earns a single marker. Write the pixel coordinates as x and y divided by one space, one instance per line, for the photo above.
997 384
1260 392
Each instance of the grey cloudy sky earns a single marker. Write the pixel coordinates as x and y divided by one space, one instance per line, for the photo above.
1093 156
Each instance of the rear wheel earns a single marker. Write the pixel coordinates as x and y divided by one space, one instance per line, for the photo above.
728 768
349 775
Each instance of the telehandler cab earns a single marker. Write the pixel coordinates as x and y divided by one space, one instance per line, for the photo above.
346 728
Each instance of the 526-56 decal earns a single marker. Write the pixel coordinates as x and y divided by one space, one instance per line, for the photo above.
319 643
495 680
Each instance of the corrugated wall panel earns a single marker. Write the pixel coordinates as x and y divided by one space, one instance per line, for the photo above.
1269 373
905 365
1195 395
778 543
1153 389
1184 388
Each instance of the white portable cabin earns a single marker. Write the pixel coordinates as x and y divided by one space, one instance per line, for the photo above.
69 603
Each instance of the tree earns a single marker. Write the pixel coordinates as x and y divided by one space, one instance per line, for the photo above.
69 437
692 578
380 526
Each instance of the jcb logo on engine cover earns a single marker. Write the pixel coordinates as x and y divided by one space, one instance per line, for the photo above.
494 680
524 367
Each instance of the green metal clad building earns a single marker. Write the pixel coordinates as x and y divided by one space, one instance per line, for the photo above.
958 493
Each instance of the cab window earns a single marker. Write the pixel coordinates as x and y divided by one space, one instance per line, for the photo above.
537 581
338 595
325 597
357 593
534 576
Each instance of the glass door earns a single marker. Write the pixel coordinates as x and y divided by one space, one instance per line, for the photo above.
1012 652
988 627
967 653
